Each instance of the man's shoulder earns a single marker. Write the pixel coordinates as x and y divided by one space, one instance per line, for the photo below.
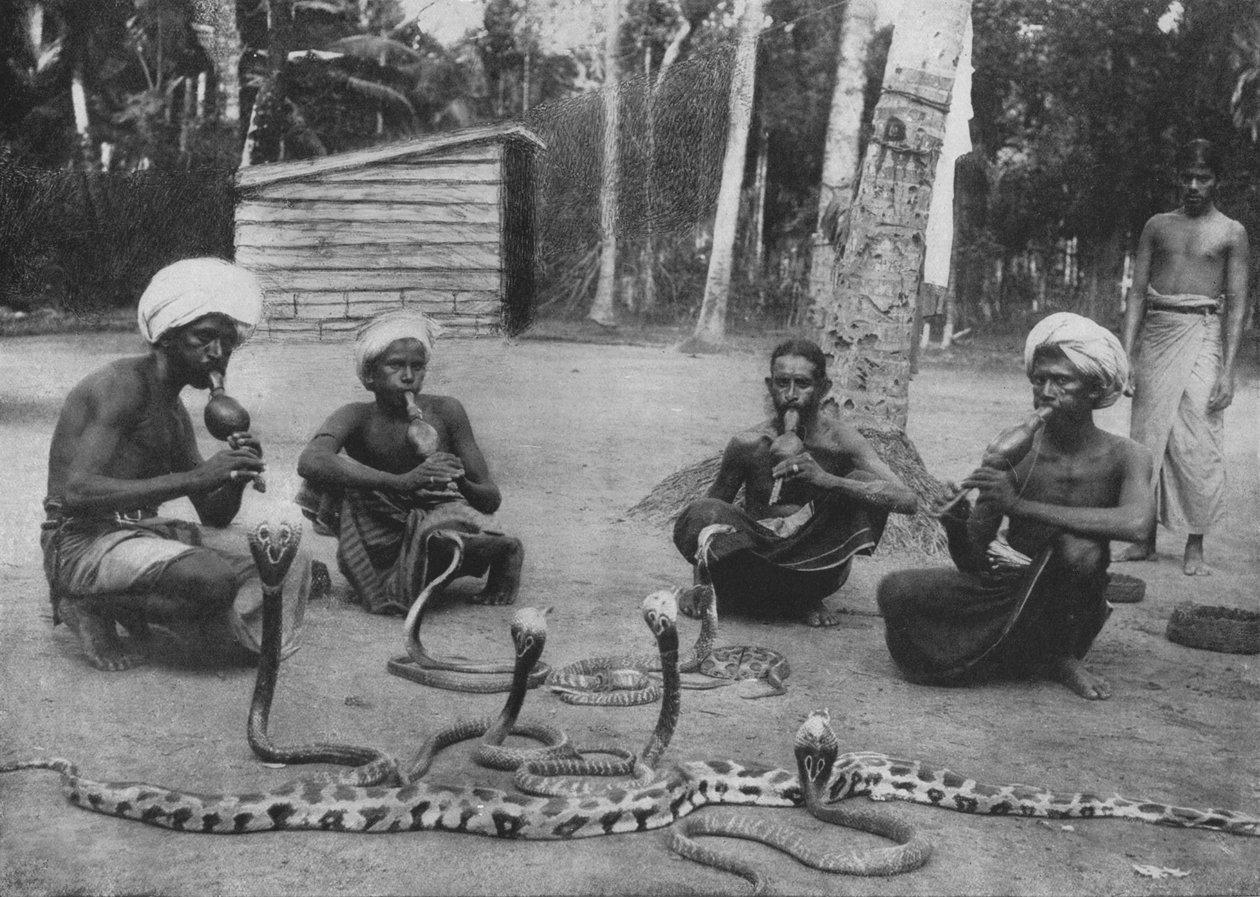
440 404
1123 448
122 381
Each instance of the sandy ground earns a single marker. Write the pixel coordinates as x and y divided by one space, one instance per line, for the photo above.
576 434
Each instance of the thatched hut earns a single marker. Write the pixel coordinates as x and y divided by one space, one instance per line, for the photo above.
443 222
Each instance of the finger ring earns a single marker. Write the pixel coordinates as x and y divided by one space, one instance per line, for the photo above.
796 468
430 481
236 475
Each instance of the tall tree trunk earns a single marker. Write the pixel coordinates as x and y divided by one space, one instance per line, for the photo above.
757 226
647 255
868 323
842 149
710 329
214 23
605 292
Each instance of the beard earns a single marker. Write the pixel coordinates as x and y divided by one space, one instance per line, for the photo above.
808 411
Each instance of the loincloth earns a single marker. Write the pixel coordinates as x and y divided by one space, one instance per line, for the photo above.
783 565
382 539
947 626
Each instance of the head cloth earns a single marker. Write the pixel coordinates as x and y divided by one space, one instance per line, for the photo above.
184 291
1091 348
375 335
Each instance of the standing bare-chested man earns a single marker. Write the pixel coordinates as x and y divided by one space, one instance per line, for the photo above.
124 445
782 557
1189 305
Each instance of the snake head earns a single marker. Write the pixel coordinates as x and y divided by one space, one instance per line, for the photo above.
816 748
660 610
529 630
274 546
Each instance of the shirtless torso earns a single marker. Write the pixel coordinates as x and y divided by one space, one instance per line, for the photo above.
1200 251
364 445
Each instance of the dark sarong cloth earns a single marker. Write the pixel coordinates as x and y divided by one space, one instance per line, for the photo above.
947 627
756 571
383 546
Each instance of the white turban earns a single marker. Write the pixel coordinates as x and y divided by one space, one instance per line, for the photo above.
375 335
1091 348
184 291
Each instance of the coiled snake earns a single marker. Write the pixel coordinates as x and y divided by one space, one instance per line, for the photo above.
824 778
454 673
624 681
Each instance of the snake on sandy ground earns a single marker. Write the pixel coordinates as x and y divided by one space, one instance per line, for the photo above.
622 680
554 777
454 673
273 548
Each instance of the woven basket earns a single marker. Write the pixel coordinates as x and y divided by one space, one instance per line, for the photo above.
1225 629
1125 589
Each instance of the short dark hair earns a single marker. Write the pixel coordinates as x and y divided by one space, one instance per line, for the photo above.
1199 153
803 348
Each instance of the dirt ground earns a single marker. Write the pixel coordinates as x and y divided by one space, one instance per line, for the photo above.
576 434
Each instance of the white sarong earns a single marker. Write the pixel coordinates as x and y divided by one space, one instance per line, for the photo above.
1178 362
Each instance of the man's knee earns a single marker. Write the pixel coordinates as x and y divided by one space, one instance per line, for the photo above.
201 581
694 518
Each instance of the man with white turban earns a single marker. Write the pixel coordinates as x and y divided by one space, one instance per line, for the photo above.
124 444
389 475
1030 600
1183 326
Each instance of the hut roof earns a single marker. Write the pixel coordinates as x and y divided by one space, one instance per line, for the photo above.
254 176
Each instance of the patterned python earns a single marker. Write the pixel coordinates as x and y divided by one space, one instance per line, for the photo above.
454 673
421 805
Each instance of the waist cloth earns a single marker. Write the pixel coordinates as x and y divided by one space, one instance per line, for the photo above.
102 554
383 546
1177 364
947 626
783 564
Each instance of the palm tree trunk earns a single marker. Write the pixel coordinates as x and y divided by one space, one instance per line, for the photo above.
710 329
214 23
605 291
842 150
868 323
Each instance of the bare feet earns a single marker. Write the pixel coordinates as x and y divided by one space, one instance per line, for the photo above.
1193 564
97 636
819 616
1072 673
505 556
1138 551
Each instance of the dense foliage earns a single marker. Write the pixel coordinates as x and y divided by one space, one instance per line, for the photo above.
1079 105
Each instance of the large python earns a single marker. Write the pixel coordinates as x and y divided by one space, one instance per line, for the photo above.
454 673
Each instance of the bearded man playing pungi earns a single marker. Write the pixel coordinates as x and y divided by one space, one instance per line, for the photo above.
790 545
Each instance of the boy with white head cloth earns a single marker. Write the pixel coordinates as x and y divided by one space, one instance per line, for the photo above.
386 475
124 444
1032 603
